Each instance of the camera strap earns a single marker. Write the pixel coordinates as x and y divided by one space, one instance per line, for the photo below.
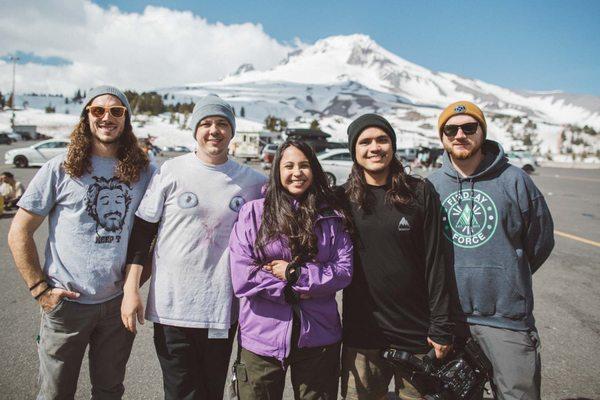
233 387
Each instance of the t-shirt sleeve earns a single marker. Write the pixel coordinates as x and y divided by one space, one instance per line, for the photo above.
40 196
152 204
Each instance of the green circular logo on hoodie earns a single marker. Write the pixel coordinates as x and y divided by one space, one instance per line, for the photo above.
471 218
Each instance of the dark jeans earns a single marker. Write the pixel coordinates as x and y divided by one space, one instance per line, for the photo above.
194 367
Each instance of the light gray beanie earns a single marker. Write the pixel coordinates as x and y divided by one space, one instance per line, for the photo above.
209 106
99 91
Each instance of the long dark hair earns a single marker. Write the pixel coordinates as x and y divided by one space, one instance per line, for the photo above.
401 191
282 220
131 158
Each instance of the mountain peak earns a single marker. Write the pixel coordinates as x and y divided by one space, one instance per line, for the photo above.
348 41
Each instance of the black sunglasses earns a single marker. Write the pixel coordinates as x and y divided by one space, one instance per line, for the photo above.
468 129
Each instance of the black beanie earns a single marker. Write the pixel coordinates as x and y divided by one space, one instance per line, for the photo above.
367 121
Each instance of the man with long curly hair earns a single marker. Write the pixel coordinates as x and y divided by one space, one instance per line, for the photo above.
399 295
89 196
195 199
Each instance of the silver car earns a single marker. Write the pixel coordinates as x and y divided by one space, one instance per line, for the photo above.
36 154
523 160
337 164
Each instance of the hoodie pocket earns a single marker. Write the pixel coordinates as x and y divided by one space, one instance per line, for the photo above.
488 291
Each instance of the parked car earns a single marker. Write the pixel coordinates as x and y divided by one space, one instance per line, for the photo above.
523 160
37 154
268 154
181 149
406 154
337 164
5 139
15 136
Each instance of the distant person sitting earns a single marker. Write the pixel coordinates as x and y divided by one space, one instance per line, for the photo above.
147 147
10 189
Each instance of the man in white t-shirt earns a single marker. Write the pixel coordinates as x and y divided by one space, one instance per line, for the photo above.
189 208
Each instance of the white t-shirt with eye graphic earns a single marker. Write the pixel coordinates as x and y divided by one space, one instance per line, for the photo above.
196 206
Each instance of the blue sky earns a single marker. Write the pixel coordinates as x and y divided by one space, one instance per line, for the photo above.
533 45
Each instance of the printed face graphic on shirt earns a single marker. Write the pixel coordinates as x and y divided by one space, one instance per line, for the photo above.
108 202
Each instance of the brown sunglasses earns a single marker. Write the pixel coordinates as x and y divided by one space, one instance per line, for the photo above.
99 111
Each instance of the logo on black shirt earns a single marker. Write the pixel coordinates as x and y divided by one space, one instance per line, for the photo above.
403 225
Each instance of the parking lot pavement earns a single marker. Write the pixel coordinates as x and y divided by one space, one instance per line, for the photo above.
567 296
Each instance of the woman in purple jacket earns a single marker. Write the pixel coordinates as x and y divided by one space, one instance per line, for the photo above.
290 254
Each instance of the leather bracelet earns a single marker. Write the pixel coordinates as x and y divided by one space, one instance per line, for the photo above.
36 284
43 291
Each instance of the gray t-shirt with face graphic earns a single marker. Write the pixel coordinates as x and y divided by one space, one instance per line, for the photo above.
89 221
197 205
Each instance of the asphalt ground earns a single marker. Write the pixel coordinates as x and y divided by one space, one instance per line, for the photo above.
567 296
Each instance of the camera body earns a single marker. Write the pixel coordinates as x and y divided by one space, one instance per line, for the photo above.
462 375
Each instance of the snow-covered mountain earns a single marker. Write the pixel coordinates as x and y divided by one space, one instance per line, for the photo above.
341 77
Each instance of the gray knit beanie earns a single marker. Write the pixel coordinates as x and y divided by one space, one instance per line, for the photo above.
99 91
209 106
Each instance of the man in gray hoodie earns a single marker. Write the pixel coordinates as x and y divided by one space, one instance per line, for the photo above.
499 231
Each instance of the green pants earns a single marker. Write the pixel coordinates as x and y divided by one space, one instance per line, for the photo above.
315 374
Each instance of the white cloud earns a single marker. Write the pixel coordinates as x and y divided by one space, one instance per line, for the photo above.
157 48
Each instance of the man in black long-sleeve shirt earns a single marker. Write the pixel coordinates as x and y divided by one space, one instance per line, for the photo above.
399 295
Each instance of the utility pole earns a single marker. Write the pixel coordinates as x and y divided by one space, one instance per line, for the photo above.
14 60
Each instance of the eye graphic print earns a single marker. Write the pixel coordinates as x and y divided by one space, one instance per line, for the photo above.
236 203
187 200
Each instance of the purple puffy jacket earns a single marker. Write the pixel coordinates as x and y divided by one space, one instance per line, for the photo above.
265 317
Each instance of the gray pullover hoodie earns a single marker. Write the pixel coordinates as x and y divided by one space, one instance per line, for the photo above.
499 231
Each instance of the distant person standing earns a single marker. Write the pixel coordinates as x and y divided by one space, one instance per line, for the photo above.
10 189
147 147
189 209
499 231
90 196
